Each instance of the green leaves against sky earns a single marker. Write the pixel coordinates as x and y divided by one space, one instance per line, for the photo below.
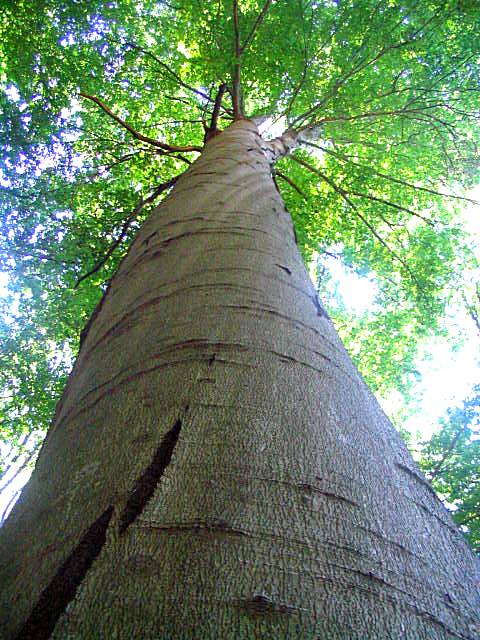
386 91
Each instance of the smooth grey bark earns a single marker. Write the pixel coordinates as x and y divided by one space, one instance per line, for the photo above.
217 468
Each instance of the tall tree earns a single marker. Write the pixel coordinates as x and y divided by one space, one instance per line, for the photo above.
451 460
216 467
396 114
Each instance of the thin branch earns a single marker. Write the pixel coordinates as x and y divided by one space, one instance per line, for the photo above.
296 91
363 64
256 25
389 177
306 64
30 455
391 204
126 225
169 70
352 205
20 445
381 114
236 79
104 167
436 470
471 310
212 129
136 134
291 183
182 158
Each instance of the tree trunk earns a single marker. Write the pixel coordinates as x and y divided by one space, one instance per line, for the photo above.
217 469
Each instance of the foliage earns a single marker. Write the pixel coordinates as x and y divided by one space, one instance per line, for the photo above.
100 98
451 459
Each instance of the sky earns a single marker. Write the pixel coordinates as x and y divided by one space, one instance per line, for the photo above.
446 376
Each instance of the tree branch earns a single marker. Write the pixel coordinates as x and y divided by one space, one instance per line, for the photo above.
6 511
212 129
303 77
126 225
29 456
236 77
352 205
136 134
290 182
170 71
389 177
256 25
391 204
436 470
471 310
363 64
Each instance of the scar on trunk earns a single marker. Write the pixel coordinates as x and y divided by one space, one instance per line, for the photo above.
63 587
286 269
146 483
261 604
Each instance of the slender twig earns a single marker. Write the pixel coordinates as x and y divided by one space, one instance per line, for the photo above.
211 130
236 77
104 167
393 205
28 459
306 65
355 209
363 64
389 177
256 25
20 445
381 114
136 134
291 183
472 312
126 225
173 73
437 468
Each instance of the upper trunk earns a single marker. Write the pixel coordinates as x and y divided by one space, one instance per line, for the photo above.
217 468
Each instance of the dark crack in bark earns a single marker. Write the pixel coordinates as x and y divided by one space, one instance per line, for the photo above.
260 604
63 587
286 269
146 483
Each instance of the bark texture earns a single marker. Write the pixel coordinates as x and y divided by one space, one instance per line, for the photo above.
217 468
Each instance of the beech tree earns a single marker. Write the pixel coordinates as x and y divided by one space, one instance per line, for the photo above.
216 467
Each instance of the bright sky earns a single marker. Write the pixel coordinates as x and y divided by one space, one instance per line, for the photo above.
447 377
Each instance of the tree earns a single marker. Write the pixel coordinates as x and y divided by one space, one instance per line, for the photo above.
451 460
225 472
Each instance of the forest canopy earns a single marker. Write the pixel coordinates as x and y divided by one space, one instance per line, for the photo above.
105 104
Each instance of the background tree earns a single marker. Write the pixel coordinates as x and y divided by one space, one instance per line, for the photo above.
451 460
